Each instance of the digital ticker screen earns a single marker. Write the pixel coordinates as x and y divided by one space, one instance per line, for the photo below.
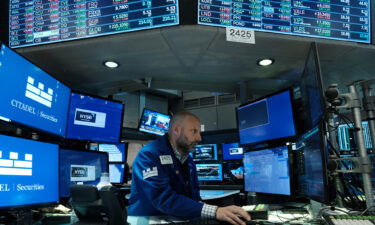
333 19
33 22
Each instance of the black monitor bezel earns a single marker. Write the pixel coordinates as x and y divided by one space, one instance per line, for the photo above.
140 120
277 141
102 98
124 175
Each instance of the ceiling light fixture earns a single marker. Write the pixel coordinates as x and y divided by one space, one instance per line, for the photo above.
265 62
111 64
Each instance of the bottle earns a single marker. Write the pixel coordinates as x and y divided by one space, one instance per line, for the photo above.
104 181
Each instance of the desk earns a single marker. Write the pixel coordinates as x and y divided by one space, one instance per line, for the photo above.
215 194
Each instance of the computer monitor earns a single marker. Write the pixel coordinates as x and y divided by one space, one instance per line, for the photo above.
347 139
210 172
28 173
233 172
94 118
117 173
310 164
268 171
116 152
311 85
205 152
266 119
80 167
30 96
154 122
232 151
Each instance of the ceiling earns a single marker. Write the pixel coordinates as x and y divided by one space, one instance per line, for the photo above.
196 58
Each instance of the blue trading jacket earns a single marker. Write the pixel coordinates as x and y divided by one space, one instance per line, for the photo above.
158 186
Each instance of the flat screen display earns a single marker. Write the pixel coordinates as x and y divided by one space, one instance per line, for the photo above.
28 172
154 122
335 19
80 167
30 96
266 119
347 139
205 152
41 22
116 173
210 172
232 151
233 172
267 171
116 152
95 119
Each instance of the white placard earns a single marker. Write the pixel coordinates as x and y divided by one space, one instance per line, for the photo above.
240 35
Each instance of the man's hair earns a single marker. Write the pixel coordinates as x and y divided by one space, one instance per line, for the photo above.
178 117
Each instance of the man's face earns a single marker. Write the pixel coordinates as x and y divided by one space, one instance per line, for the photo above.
189 135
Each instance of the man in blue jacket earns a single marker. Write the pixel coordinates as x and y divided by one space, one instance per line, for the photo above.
165 179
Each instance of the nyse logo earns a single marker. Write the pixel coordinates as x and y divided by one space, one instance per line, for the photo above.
82 173
79 172
85 116
89 118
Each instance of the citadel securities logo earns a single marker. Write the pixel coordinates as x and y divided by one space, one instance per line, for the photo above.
89 118
14 166
37 93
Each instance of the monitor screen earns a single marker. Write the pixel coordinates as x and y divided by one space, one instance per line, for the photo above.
347 139
117 173
340 19
56 21
232 151
205 152
233 172
268 171
28 172
95 119
116 152
80 167
311 166
209 172
311 85
30 96
154 122
266 119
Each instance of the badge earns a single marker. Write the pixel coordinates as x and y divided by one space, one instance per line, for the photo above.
166 159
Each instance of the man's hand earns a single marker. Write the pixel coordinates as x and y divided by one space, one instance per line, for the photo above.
232 214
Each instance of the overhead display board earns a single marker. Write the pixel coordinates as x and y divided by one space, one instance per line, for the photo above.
33 22
347 20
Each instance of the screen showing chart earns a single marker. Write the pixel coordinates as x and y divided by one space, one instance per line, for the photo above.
209 172
333 19
33 22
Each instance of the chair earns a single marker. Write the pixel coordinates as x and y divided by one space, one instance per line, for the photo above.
98 207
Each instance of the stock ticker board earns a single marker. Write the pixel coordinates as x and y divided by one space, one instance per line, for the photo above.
33 22
347 20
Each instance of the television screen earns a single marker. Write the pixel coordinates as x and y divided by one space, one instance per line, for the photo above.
28 172
63 20
116 152
347 139
232 151
94 119
266 119
205 152
233 172
268 171
80 167
117 173
209 172
154 122
30 96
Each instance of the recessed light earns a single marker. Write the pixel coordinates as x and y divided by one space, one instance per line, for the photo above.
111 64
265 62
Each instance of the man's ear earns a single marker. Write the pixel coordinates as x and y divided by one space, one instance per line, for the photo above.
177 130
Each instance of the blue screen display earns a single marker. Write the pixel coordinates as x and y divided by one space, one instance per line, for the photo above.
205 152
267 119
267 171
30 96
116 173
232 151
28 172
154 122
116 152
80 166
209 172
346 137
94 119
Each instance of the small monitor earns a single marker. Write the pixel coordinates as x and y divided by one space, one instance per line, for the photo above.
80 167
232 151
205 152
266 119
95 119
209 172
233 172
154 122
347 139
117 173
30 96
28 172
268 171
116 152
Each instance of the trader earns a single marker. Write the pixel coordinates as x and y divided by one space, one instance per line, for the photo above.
165 179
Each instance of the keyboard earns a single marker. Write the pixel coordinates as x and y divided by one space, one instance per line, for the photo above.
216 222
345 219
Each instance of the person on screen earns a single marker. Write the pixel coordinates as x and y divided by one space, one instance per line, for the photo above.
165 182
